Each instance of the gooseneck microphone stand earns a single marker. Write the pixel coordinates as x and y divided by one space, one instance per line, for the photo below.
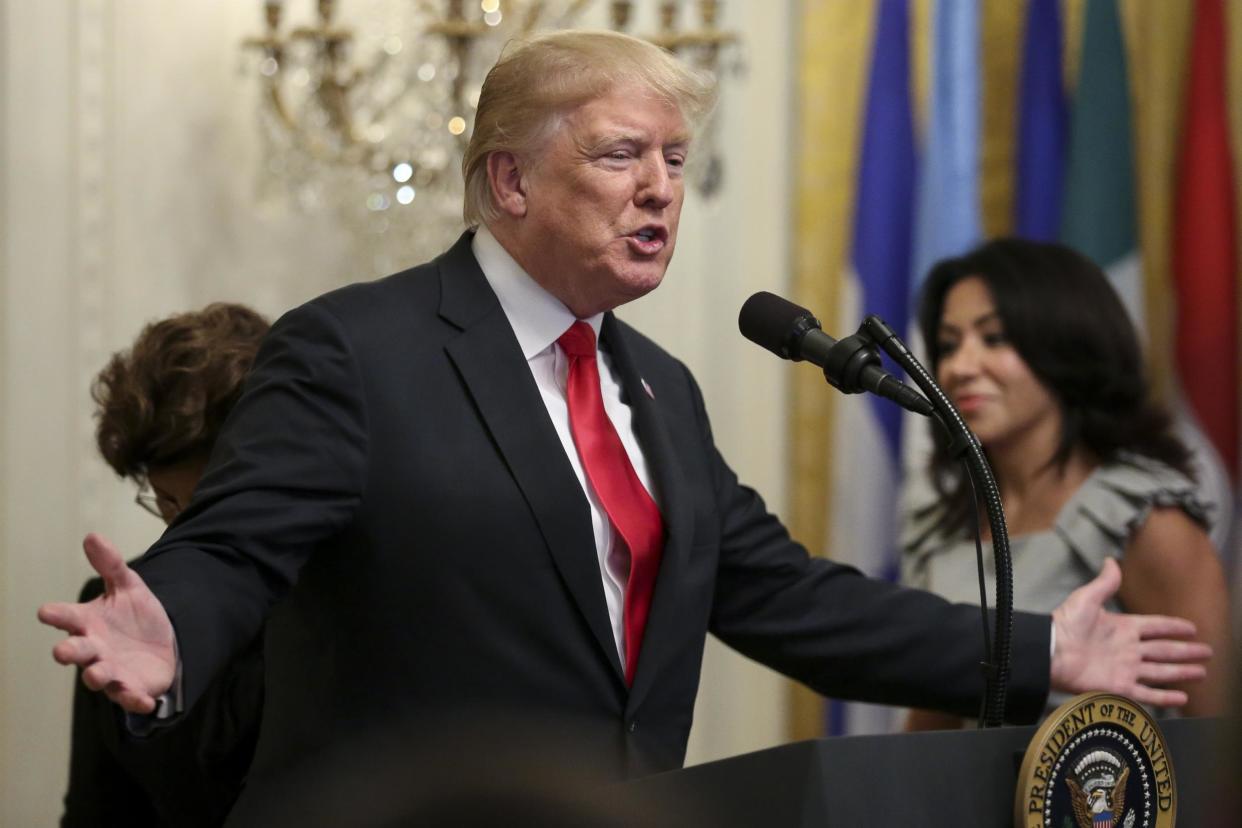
965 447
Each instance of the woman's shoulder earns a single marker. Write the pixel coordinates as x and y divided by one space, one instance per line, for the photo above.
1134 484
1117 500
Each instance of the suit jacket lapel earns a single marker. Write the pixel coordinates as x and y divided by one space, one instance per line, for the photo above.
675 508
494 371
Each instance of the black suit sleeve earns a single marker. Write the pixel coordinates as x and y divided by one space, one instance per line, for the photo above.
285 476
847 635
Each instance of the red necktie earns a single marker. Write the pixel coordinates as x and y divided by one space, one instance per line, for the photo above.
633 513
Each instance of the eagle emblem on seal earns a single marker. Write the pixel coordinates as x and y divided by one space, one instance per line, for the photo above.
1098 790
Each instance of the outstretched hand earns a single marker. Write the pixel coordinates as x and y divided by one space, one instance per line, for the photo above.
122 640
1134 655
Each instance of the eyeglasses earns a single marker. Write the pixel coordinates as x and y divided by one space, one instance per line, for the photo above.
158 504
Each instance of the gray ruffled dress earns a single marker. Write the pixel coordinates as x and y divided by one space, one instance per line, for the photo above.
1096 523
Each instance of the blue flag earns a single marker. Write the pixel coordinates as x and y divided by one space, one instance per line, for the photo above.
948 191
884 216
1042 126
867 435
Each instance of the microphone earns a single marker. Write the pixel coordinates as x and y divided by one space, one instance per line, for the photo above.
851 365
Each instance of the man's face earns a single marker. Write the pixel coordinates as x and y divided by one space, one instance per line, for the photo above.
603 201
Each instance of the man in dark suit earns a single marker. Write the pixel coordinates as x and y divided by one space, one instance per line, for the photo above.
461 503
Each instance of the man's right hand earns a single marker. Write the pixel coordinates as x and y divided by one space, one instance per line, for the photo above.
122 640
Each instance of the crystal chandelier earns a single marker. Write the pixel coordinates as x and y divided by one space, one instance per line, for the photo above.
373 126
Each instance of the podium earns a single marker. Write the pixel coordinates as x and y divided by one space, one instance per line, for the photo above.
964 779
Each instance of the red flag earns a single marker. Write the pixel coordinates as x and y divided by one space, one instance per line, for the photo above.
1205 255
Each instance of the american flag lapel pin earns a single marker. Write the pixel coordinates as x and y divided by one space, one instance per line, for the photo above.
647 387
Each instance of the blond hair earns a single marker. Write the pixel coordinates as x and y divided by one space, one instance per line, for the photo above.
538 80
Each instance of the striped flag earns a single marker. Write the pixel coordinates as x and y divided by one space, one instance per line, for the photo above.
947 223
1099 218
866 441
1205 254
1040 169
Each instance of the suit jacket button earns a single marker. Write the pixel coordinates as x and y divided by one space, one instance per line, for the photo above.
633 726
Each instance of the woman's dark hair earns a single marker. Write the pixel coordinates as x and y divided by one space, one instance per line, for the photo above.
165 399
1064 319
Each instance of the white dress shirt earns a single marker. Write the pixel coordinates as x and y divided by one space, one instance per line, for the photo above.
538 319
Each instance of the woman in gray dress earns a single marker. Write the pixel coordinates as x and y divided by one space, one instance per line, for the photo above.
1035 349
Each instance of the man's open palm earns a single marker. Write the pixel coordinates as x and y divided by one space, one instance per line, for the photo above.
122 640
1136 655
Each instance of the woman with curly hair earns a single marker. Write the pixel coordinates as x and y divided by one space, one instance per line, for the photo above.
160 406
1039 355
161 403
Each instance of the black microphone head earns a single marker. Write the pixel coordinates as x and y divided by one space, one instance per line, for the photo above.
776 324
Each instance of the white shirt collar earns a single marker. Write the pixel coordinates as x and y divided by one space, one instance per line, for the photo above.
537 317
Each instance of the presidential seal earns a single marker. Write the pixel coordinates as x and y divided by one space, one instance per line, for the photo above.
1099 761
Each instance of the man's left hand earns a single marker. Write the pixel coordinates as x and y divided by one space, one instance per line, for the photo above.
1133 655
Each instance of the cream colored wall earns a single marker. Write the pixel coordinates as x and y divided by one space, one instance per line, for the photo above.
129 147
